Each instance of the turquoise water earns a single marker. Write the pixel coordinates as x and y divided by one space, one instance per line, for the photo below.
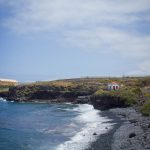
30 126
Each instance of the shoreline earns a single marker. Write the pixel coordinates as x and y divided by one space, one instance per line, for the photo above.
103 141
131 131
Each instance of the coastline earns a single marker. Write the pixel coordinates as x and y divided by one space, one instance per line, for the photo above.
104 141
131 131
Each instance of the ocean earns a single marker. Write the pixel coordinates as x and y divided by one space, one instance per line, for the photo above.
39 126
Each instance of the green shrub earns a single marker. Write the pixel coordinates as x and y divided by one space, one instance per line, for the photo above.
136 90
147 95
4 89
128 96
146 109
100 92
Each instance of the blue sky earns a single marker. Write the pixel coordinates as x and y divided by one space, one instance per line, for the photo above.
52 39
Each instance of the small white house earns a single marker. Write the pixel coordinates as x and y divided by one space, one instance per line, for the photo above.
113 86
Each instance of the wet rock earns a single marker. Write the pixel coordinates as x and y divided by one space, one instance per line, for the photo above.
133 121
131 135
94 133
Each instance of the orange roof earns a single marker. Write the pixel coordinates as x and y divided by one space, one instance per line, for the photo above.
114 83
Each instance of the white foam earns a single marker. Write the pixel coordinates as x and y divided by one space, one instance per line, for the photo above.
2 99
93 123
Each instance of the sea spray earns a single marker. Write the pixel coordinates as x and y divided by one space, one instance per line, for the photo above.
93 124
2 99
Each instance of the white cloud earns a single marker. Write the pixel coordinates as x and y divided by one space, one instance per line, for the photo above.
98 25
45 15
111 40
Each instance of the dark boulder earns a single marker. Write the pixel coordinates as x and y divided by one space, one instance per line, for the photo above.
94 133
131 135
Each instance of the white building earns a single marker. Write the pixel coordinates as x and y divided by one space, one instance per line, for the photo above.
8 80
113 86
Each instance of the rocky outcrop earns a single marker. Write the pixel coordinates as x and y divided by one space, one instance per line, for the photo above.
106 102
49 94
83 99
4 94
79 96
59 95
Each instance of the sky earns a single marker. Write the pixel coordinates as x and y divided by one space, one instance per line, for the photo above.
56 39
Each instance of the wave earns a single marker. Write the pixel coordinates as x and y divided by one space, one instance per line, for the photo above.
2 99
91 122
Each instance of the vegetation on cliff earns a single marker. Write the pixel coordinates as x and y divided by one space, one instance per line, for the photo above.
4 87
127 96
52 90
145 109
134 90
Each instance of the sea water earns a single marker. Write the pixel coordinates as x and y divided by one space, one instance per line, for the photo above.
37 126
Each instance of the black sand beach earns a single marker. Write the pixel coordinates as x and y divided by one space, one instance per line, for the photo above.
131 131
104 141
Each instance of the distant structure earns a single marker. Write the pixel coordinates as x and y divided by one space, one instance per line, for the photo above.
9 80
113 86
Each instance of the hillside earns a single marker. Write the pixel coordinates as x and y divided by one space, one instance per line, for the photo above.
5 84
134 91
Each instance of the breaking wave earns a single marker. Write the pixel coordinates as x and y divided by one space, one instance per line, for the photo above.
92 125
